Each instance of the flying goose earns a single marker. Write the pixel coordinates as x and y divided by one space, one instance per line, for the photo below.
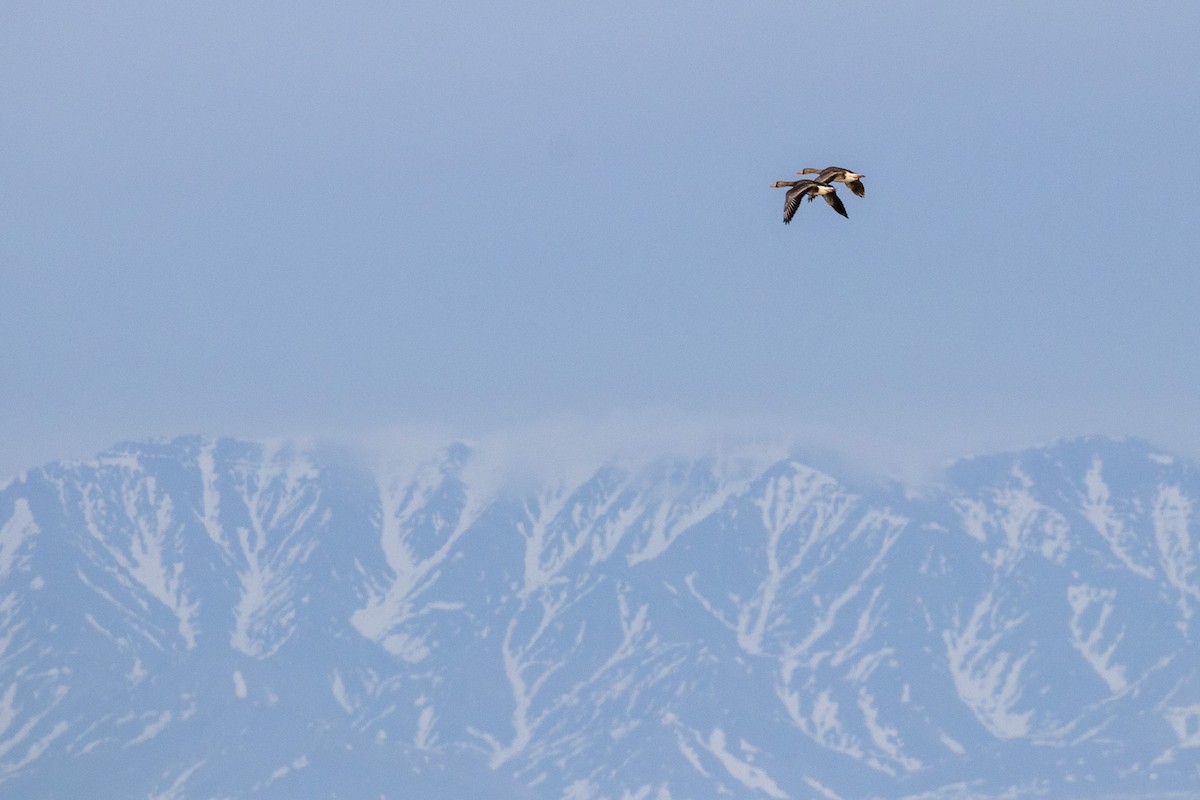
840 175
809 189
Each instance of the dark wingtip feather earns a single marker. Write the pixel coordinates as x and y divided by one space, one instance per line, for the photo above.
858 188
790 204
836 203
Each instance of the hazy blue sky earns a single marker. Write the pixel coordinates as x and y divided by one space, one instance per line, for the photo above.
268 218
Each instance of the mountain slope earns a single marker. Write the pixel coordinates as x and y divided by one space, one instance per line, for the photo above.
204 619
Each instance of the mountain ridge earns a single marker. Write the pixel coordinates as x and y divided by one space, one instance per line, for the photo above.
211 618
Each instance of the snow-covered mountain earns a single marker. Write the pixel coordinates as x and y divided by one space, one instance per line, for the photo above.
227 619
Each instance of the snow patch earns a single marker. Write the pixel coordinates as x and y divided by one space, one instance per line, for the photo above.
952 744
821 723
884 737
338 688
821 789
175 790
1099 512
281 500
36 749
424 737
1185 722
210 497
1178 554
140 532
678 513
8 715
13 534
1090 643
1026 525
298 763
152 729
973 515
409 648
988 679
405 494
8 710
743 772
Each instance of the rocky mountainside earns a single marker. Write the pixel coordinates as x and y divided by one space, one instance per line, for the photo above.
226 619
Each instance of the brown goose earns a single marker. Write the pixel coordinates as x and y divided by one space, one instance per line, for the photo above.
809 189
838 175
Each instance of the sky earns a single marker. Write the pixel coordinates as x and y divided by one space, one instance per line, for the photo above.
269 219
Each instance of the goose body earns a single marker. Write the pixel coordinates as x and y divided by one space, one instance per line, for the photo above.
838 175
810 189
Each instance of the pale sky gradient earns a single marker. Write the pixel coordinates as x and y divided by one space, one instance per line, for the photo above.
272 218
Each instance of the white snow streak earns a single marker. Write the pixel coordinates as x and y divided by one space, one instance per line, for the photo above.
821 789
974 518
952 744
821 724
527 666
1177 552
175 790
1026 525
403 499
9 627
805 496
211 497
745 773
300 762
825 624
680 511
1097 510
8 711
612 530
412 649
532 659
579 790
20 526
154 540
152 729
1185 722
690 743
297 763
688 752
338 687
280 498
987 679
1090 643
584 789
137 673
549 548
885 738
35 749
424 736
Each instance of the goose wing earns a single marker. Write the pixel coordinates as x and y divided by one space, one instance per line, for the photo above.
857 187
792 202
836 202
